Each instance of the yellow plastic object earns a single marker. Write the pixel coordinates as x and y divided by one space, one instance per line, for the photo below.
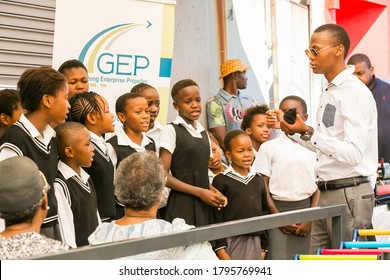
372 232
338 257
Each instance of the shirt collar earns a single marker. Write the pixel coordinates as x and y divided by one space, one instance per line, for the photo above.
98 141
227 96
48 131
343 75
156 127
180 120
124 140
68 172
230 169
95 138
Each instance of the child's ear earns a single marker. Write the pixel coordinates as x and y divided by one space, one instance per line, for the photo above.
227 154
68 152
248 130
91 118
305 117
175 106
5 119
46 101
121 117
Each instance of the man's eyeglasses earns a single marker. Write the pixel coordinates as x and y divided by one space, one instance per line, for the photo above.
314 52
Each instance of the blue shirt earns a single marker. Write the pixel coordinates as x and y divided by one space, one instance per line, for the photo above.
381 92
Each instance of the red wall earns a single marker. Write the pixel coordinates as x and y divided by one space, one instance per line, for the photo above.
368 25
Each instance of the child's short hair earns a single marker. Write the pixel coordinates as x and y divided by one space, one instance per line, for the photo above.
83 104
251 113
120 104
72 63
295 98
64 133
230 136
36 82
9 99
141 87
180 85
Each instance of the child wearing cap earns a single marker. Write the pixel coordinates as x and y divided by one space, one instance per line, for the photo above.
226 109
22 182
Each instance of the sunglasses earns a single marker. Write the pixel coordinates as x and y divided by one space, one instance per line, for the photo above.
314 52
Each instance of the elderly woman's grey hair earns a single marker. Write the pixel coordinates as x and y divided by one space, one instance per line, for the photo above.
139 180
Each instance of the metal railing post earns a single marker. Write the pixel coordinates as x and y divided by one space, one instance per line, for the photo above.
337 230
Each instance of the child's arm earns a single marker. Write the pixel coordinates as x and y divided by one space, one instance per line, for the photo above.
222 254
273 209
208 196
270 201
305 227
65 214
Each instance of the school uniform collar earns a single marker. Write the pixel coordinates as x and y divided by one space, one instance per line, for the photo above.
48 131
180 120
124 140
68 172
156 127
99 141
342 76
230 170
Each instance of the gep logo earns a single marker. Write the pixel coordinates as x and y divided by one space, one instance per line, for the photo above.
106 60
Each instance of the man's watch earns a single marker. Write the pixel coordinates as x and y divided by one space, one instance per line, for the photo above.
307 135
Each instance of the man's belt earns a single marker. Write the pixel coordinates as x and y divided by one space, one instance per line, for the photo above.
342 183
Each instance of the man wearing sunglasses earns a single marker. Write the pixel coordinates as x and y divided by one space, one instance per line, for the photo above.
344 137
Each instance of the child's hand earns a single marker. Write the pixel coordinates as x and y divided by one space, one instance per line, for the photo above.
303 229
263 254
212 198
221 195
289 229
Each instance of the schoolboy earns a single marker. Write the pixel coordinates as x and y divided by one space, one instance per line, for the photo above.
77 201
288 170
44 95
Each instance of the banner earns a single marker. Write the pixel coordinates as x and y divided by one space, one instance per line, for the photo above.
121 43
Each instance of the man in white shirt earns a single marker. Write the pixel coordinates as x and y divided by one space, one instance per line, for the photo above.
344 138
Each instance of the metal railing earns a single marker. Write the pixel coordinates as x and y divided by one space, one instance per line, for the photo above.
211 232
